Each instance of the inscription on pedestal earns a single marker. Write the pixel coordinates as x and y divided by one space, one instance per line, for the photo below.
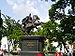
30 45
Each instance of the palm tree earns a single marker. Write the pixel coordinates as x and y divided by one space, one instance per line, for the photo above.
1 22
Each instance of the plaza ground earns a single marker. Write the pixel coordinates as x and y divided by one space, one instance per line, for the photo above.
11 55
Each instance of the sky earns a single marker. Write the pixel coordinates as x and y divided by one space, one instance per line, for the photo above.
19 9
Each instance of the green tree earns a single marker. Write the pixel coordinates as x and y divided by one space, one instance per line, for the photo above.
1 21
66 29
13 30
67 20
49 30
1 27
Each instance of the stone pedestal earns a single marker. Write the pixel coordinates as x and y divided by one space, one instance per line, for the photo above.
31 45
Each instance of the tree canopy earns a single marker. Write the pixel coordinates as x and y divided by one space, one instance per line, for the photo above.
64 11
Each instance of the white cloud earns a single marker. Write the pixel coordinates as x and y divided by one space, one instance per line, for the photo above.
22 8
45 19
39 1
28 2
10 2
20 1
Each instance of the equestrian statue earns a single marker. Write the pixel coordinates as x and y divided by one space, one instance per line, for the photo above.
30 22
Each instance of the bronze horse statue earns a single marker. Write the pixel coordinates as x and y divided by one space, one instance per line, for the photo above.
30 23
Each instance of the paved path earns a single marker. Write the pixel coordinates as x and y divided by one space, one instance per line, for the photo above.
11 55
